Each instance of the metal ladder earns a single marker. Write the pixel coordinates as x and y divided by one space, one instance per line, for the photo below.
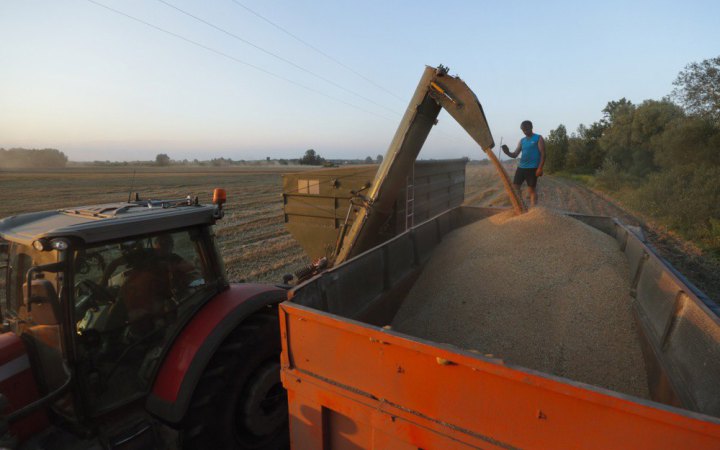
410 200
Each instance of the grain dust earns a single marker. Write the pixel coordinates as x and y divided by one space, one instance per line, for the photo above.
541 290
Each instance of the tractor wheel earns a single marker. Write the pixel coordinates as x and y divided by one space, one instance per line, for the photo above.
239 402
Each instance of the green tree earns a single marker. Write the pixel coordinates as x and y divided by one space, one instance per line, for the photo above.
596 153
650 120
697 89
615 109
585 155
615 141
630 136
556 146
379 159
368 160
162 159
577 154
609 137
311 158
688 141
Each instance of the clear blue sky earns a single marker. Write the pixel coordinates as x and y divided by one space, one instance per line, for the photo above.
97 85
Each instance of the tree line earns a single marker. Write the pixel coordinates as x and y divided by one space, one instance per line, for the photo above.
16 158
660 156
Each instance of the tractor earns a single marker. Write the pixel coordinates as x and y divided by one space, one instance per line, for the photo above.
120 330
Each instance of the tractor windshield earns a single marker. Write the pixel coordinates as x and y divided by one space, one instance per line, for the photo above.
130 298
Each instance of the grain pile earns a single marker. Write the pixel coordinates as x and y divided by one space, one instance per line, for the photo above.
540 290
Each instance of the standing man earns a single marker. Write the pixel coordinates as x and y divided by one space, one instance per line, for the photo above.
532 160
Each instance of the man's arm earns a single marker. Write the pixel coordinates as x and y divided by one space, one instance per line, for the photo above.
541 147
514 154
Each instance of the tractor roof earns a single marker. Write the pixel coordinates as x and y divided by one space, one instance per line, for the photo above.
98 223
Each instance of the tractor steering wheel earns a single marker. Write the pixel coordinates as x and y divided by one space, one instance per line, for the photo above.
90 294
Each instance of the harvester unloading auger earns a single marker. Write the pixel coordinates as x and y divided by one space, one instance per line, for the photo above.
436 90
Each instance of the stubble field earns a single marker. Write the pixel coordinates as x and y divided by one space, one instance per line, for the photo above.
252 235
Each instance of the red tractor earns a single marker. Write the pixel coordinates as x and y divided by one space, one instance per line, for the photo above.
120 330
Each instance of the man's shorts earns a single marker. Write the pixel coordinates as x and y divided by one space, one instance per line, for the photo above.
527 175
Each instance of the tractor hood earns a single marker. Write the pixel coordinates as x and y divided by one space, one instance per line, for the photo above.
107 222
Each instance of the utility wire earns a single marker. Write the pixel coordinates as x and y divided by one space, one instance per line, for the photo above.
230 57
312 47
335 60
274 55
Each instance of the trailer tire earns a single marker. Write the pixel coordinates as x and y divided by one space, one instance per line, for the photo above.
239 402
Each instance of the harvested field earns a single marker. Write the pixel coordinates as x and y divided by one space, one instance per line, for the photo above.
541 290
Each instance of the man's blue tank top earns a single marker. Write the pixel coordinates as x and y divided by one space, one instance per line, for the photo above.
530 158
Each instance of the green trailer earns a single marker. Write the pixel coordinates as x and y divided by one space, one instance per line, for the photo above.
316 202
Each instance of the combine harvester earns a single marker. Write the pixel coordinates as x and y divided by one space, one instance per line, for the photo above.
353 382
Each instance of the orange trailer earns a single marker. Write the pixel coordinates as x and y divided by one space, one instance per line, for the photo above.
353 383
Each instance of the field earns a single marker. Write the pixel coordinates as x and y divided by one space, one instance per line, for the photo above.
252 236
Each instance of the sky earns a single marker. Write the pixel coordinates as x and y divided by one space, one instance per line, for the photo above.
229 82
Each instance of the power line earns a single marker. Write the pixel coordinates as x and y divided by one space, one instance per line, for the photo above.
274 55
225 55
312 47
330 58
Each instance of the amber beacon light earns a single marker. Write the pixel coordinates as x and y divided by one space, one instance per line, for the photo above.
219 196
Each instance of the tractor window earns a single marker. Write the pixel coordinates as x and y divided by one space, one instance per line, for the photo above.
15 261
130 297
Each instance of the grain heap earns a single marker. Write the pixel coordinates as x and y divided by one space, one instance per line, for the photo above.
540 290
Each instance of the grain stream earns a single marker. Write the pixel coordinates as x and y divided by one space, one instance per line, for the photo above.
540 290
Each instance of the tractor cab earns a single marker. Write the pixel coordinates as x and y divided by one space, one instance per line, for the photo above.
97 294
